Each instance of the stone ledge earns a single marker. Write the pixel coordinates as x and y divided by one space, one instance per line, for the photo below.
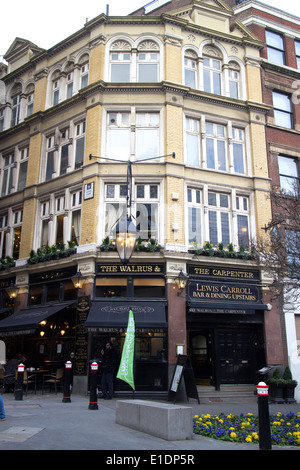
167 421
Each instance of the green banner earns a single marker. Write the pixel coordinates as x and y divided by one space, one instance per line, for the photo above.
125 371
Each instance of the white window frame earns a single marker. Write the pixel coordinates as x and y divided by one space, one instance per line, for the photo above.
240 206
197 156
8 173
127 122
4 234
117 205
123 51
194 215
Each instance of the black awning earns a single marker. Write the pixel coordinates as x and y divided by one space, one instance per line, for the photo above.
106 315
26 321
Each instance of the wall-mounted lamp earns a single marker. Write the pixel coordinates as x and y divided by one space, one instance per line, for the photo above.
78 280
12 290
181 281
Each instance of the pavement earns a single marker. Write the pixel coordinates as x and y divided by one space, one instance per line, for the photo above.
45 422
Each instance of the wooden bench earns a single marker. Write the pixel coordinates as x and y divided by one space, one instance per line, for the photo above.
164 420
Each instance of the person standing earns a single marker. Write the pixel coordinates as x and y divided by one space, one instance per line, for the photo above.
2 411
107 380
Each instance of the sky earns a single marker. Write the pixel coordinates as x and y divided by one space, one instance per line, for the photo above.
46 26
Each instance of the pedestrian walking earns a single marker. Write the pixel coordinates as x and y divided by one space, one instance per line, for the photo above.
2 411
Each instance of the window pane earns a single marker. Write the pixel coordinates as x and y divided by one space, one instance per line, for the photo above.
282 102
60 229
233 89
243 231
274 40
118 143
120 72
190 78
206 76
84 81
147 143
22 175
276 56
238 160
225 228
76 221
213 229
64 161
192 149
194 216
216 83
147 220
50 165
210 156
148 72
287 166
221 155
79 153
283 119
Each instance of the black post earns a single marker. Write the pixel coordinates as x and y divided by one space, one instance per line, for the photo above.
67 382
264 417
93 386
19 382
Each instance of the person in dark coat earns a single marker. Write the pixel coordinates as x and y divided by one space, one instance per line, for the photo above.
108 367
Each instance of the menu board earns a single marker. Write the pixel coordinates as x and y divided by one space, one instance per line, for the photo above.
183 369
81 340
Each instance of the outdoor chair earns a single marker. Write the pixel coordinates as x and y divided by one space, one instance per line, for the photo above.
53 379
29 379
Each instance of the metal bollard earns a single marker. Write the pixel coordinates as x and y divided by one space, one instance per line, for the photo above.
19 382
93 386
67 382
263 416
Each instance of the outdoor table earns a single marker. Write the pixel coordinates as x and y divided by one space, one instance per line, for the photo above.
39 375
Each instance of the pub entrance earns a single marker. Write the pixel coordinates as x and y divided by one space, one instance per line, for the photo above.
200 346
226 354
235 356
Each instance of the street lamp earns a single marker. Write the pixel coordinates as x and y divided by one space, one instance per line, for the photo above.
126 236
126 232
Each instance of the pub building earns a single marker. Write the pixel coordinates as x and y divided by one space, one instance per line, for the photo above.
217 319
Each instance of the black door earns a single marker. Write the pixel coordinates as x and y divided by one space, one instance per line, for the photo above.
200 350
235 356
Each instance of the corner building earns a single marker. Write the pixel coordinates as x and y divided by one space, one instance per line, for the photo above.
173 77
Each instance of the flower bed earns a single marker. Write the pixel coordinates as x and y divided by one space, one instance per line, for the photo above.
285 429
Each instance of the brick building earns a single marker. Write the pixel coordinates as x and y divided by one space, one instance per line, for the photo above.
172 79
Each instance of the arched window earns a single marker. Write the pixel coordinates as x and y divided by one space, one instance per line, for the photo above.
212 70
134 64
56 88
15 104
120 62
29 93
84 71
148 62
190 68
234 80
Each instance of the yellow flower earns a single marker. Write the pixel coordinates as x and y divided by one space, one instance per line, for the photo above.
232 435
231 429
196 416
248 439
